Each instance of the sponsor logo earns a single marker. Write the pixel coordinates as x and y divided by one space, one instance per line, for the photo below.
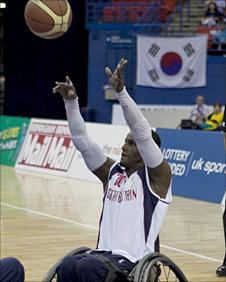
48 146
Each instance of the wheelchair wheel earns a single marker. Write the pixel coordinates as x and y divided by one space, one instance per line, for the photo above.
157 267
50 275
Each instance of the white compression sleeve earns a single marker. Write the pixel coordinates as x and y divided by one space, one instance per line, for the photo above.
140 130
91 152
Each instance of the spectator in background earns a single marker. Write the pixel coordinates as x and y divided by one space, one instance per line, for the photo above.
199 111
212 15
214 120
219 34
220 5
223 19
11 270
221 271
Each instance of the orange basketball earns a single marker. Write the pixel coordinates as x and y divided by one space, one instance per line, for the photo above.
48 18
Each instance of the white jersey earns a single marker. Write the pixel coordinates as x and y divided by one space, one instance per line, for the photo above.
132 214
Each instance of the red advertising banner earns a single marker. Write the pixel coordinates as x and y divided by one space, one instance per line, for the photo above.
47 145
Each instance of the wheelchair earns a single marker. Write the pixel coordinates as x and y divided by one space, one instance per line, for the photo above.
153 267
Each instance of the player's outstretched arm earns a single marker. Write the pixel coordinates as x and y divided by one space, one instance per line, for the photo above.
159 170
92 154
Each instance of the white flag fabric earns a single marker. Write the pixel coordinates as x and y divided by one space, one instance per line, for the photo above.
171 62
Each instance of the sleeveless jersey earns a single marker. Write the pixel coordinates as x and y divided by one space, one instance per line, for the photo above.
132 214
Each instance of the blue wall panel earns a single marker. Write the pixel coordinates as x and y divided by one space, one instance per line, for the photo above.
97 78
197 161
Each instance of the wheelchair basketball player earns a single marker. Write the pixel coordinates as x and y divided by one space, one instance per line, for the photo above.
137 190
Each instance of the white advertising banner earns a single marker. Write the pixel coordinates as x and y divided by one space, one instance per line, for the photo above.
109 137
171 62
48 148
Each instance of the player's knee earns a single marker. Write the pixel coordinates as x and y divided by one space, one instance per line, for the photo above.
66 265
13 264
87 264
11 270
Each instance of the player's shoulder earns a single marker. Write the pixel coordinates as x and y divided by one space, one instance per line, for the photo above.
115 169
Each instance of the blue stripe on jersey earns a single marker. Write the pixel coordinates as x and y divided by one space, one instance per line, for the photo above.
115 169
150 202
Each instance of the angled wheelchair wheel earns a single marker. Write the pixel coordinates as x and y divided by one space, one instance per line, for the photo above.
156 267
50 275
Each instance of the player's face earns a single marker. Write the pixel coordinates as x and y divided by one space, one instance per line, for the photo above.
130 156
217 109
199 100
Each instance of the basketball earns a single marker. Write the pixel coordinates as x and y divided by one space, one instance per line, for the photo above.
48 19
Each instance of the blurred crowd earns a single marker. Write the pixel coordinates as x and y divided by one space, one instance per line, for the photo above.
214 20
202 118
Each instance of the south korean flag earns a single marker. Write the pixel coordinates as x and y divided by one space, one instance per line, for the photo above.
171 62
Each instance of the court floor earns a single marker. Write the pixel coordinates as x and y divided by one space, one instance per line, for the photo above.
43 217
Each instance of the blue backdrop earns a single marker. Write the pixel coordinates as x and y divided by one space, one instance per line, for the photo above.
197 160
106 48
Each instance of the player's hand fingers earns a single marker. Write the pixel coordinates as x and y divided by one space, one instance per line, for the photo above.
68 80
60 84
56 89
124 62
121 64
108 72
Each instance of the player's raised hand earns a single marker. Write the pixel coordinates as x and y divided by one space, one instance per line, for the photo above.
65 89
116 79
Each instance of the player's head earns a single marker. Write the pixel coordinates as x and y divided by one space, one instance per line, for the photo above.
199 100
156 138
212 6
217 107
130 155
